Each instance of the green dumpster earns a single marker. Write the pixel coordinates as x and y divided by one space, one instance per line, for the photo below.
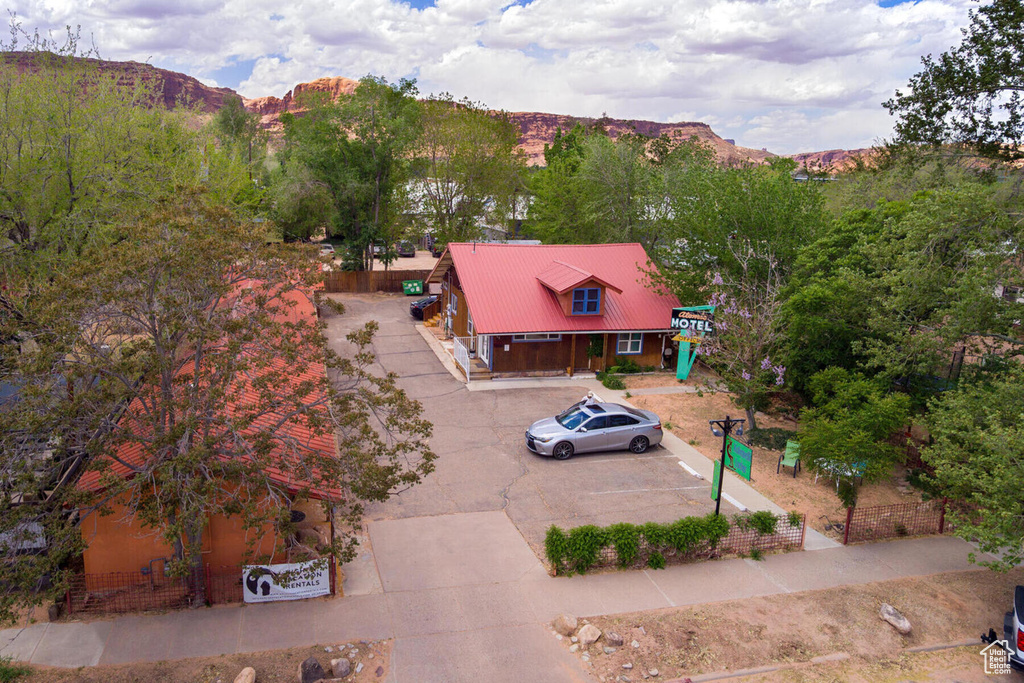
411 287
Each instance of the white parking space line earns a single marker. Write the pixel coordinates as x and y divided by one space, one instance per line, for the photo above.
588 461
681 488
741 506
690 470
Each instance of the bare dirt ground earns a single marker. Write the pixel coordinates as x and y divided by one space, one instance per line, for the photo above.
422 261
688 415
277 666
788 631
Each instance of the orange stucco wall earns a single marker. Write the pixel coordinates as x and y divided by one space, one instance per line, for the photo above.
119 544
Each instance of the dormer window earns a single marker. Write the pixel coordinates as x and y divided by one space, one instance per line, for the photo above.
586 301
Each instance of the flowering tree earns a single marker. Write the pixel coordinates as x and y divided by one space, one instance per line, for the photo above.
747 333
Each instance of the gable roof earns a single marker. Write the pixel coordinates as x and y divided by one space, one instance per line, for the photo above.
506 295
561 277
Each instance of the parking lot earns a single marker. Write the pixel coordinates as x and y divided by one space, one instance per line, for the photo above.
483 462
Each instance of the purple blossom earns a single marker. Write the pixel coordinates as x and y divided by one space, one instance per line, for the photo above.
717 279
780 371
745 375
766 363
744 313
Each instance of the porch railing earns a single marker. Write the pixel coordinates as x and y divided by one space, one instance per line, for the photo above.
461 353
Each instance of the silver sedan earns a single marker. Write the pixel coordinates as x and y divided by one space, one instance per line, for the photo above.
590 426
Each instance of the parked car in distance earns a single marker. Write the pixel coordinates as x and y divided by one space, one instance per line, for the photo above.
407 249
590 426
436 250
326 249
416 307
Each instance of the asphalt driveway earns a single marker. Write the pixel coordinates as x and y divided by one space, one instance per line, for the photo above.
483 462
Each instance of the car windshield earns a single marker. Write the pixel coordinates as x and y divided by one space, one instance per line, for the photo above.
572 418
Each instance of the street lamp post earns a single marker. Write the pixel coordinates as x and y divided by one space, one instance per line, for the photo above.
723 428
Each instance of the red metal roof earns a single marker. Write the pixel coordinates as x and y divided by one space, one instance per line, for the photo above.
506 295
294 439
561 277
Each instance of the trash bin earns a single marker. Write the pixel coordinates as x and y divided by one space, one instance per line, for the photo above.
411 287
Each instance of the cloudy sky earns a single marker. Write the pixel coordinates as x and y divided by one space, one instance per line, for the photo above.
787 75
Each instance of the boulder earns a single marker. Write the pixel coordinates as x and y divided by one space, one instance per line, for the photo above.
341 667
898 621
589 635
310 671
565 624
613 639
246 675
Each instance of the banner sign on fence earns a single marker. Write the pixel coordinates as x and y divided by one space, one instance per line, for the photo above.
738 457
272 582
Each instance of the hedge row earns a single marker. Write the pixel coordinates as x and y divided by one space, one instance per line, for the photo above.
588 546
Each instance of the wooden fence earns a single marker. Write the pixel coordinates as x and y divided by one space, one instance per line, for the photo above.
366 281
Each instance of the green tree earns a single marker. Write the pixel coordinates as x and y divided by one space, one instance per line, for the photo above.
186 320
971 95
386 119
300 205
556 214
938 268
833 294
977 454
846 432
81 149
241 131
467 169
318 142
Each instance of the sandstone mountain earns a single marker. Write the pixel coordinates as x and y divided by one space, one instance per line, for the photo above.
538 128
171 88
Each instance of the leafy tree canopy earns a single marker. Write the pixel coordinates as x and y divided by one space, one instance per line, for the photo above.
970 95
978 456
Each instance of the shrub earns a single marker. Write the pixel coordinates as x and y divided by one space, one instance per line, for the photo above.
9 671
611 382
556 547
626 540
585 544
794 518
847 493
756 554
627 366
656 560
763 521
772 438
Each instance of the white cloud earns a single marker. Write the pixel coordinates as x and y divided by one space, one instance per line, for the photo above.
790 75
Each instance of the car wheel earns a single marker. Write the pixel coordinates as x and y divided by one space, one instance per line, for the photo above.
562 451
639 444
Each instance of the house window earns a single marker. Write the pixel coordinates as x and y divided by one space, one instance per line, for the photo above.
536 336
629 342
586 301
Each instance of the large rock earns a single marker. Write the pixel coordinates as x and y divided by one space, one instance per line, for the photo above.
589 635
565 624
897 620
310 671
613 639
246 675
341 667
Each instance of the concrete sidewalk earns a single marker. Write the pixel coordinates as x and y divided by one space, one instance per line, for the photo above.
446 599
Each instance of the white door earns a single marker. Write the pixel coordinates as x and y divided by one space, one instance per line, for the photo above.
485 349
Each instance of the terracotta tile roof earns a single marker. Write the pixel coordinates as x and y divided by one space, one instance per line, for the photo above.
506 295
300 438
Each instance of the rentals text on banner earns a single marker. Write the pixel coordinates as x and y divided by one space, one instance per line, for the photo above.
271 582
